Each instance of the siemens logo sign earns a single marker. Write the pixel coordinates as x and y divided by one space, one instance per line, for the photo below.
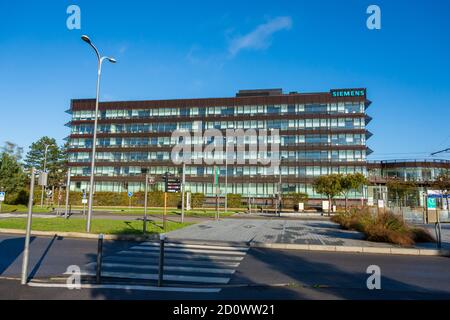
348 93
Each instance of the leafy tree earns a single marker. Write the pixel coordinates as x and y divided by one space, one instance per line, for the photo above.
56 159
12 177
352 182
330 186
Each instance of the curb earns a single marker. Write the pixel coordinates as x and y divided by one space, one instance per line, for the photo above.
281 246
81 235
355 249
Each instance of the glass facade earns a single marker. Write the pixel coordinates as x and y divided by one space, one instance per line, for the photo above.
422 171
318 134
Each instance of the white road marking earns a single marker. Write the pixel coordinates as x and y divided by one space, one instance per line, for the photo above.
175 255
184 262
196 246
167 277
128 287
182 250
166 267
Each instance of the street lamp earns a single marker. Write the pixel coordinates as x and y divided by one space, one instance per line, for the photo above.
94 139
45 169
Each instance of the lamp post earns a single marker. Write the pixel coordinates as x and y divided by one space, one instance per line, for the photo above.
45 169
100 60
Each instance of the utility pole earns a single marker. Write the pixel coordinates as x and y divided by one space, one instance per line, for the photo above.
26 251
66 212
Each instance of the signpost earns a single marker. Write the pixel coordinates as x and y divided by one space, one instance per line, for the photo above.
130 195
24 278
182 192
2 199
84 201
66 211
42 181
148 180
431 203
188 201
171 184
216 183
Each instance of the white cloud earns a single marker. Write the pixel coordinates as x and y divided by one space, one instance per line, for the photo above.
261 37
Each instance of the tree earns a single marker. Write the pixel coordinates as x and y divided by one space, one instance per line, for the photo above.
352 182
56 159
329 186
13 150
12 177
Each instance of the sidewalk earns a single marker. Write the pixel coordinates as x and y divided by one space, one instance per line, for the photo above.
302 234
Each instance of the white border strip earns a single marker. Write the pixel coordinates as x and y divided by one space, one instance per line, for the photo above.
127 287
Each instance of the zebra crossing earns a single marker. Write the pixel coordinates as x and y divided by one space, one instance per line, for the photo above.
184 264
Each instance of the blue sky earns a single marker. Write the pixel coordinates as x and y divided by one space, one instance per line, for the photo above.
184 49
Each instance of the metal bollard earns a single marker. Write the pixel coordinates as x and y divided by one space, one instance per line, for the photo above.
99 259
162 238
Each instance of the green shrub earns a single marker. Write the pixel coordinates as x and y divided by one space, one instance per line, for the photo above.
385 227
291 200
21 197
120 199
197 200
234 200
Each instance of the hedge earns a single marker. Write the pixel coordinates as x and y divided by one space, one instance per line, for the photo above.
155 199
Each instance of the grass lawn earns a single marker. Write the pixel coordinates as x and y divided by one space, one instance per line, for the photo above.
23 208
127 211
160 211
104 226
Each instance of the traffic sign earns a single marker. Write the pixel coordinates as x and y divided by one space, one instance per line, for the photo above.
2 196
151 180
84 201
43 177
130 194
431 203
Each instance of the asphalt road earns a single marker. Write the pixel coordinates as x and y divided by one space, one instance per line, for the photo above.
262 274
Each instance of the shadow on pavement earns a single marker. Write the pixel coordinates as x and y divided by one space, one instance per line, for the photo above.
320 280
310 280
10 250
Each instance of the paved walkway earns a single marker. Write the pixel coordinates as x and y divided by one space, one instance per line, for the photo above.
282 231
